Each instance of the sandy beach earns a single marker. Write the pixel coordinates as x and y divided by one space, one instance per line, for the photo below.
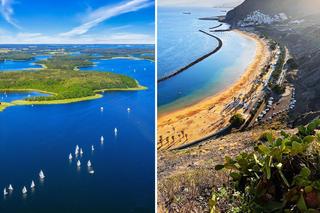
209 115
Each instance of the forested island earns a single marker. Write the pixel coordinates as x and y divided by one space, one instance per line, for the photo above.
62 81
15 56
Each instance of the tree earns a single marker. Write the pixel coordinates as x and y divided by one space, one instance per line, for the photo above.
237 120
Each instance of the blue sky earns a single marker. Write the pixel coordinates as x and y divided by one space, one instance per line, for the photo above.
199 3
77 21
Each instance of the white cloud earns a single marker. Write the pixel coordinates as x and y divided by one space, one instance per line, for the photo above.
116 38
199 3
103 13
7 12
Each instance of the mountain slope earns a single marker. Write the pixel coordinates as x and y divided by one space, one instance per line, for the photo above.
301 35
293 8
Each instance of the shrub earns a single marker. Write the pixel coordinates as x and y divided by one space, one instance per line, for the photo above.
237 120
266 136
282 175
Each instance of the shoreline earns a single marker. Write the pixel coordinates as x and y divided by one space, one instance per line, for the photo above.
207 116
5 105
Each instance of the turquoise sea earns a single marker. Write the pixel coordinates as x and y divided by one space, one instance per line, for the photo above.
180 43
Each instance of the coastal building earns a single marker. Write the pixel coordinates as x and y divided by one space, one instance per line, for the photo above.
259 18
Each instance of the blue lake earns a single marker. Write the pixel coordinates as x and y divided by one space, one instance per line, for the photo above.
10 65
211 75
41 137
12 96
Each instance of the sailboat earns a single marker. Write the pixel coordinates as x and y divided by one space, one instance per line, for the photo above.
92 148
70 156
115 131
10 187
81 151
89 163
41 174
91 171
102 139
24 190
32 185
101 109
5 192
78 163
76 151
128 109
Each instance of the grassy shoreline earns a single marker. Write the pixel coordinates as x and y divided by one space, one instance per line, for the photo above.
5 105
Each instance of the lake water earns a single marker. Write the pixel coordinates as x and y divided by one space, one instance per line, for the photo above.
208 77
10 65
12 96
41 137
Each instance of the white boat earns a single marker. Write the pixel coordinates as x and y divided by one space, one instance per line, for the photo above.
81 151
78 163
10 187
24 190
101 109
128 109
70 156
76 151
5 192
89 163
32 185
41 174
92 148
91 171
115 131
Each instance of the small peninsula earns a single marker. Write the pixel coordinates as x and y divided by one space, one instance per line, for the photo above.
62 82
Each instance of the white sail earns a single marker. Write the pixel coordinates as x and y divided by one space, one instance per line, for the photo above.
81 151
24 190
91 171
10 187
78 163
5 192
41 174
128 109
89 163
70 156
115 131
101 109
92 148
32 185
101 138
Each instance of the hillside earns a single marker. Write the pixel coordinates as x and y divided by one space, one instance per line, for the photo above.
300 33
293 8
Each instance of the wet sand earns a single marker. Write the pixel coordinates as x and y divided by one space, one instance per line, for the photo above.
209 115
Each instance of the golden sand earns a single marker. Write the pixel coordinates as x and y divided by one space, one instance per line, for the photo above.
207 116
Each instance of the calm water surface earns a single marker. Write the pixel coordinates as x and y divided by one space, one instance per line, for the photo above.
10 65
208 77
41 137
